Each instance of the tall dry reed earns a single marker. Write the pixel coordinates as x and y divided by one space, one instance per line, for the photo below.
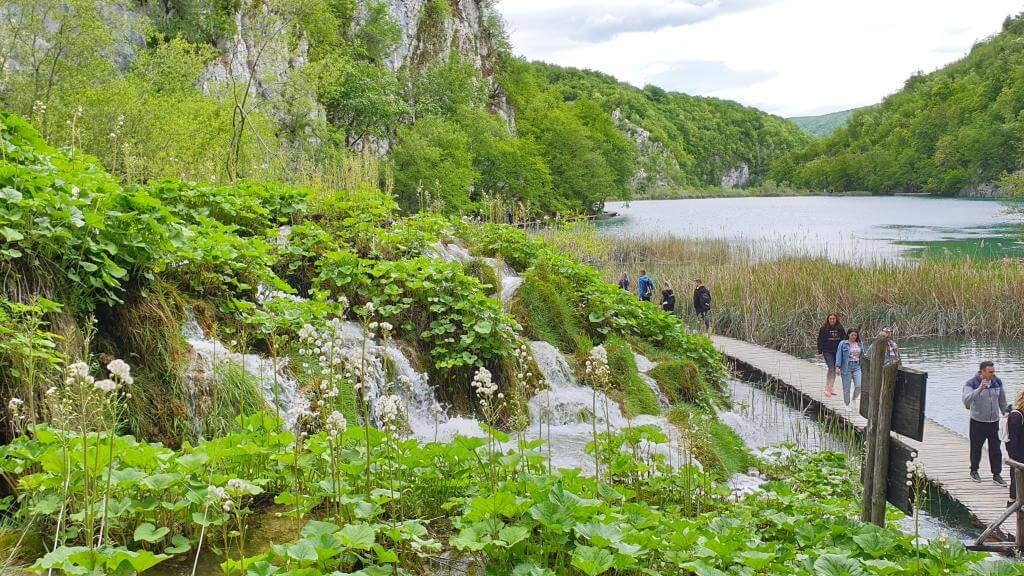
763 296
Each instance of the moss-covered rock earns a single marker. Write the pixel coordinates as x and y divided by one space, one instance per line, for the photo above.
681 381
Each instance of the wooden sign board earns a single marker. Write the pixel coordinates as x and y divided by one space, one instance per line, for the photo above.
907 402
896 491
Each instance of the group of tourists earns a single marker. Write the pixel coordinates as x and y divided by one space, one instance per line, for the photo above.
994 421
645 291
842 351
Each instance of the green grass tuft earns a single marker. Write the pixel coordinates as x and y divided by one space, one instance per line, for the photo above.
544 306
478 268
681 381
627 387
716 446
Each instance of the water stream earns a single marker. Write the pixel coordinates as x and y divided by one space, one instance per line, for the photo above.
510 281
767 423
278 388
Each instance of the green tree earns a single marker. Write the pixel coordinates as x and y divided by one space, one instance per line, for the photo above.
360 97
433 166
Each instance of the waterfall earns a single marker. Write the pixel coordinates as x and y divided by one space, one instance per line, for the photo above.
510 281
279 389
566 407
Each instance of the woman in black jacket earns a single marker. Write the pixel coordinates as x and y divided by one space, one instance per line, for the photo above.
1015 444
829 337
668 298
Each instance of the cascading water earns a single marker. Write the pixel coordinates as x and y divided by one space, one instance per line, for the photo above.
280 390
562 415
510 281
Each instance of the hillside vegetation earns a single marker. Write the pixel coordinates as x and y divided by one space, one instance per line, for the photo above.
948 132
422 96
823 124
682 140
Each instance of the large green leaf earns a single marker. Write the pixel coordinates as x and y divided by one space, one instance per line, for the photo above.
592 561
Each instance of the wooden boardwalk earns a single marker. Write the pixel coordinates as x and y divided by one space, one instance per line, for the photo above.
944 454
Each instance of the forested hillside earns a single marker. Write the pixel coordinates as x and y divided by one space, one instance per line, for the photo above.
681 140
823 124
422 94
953 131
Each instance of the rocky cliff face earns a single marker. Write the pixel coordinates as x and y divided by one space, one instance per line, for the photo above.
434 31
656 166
260 58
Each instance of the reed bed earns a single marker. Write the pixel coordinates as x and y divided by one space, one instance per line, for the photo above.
780 301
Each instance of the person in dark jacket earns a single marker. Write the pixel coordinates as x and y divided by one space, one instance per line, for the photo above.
985 397
645 286
702 302
1015 443
624 281
830 335
668 298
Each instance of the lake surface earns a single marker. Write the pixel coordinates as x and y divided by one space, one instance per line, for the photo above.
844 228
950 362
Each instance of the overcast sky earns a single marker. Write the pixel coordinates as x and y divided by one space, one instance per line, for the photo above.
789 57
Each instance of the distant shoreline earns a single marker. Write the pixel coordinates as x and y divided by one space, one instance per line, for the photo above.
755 193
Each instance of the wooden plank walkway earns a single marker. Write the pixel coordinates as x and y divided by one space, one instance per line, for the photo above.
943 453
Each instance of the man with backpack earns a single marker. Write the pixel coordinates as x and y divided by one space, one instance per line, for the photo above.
702 302
645 286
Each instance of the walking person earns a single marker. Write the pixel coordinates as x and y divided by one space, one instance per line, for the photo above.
848 356
892 349
1015 439
702 302
668 298
624 281
830 335
985 397
645 286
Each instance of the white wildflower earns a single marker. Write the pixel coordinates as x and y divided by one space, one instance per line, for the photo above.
15 407
120 370
79 370
336 424
389 408
436 409
106 385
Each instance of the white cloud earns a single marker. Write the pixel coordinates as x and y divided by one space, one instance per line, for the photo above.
789 57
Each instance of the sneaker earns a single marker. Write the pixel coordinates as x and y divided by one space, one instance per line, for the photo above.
999 480
975 476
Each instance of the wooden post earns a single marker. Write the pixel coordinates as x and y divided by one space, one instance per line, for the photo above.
882 428
870 387
1018 478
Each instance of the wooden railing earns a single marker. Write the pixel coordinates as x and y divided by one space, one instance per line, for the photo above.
1017 471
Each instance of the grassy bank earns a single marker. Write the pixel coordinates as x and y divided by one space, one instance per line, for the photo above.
782 302
764 189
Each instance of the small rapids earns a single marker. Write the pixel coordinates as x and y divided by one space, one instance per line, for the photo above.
279 389
510 281
562 416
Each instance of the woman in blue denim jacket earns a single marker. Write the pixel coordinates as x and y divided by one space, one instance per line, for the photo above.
848 357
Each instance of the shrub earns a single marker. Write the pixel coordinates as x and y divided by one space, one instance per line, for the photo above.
432 303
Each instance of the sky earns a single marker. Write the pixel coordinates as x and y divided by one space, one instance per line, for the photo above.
787 57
